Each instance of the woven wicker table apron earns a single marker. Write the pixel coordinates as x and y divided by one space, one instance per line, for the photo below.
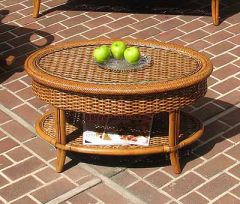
66 77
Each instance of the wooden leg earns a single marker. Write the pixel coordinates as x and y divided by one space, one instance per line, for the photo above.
8 61
36 8
61 138
61 155
174 126
215 12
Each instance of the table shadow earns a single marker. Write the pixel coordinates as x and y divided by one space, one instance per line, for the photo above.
20 51
172 7
187 155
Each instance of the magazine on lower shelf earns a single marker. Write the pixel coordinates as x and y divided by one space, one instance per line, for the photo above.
122 130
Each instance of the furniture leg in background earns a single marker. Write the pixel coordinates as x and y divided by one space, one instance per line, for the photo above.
36 8
215 12
7 61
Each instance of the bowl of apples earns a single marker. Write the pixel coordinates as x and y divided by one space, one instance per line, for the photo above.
119 57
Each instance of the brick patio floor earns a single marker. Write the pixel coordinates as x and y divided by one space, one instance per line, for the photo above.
211 167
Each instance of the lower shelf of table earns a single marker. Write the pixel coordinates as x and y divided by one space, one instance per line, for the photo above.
190 130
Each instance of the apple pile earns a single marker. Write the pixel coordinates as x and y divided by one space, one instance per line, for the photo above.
118 50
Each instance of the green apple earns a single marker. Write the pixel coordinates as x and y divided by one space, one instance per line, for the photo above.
132 55
102 54
117 49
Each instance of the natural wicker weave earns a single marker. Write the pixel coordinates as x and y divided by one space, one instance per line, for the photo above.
120 105
66 77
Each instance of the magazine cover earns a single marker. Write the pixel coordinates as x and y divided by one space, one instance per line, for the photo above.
117 130
93 129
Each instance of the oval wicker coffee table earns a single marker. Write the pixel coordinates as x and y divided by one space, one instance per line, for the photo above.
66 77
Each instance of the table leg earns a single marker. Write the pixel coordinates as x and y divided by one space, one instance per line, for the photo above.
36 8
215 12
174 127
61 138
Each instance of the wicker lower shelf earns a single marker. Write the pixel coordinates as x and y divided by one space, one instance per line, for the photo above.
190 130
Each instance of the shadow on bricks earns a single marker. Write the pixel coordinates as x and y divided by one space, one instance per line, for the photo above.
219 129
135 6
173 7
16 43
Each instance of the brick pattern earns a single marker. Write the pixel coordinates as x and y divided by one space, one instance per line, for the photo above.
27 163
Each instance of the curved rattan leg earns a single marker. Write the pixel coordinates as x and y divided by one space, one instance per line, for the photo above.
174 126
36 8
215 12
61 138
